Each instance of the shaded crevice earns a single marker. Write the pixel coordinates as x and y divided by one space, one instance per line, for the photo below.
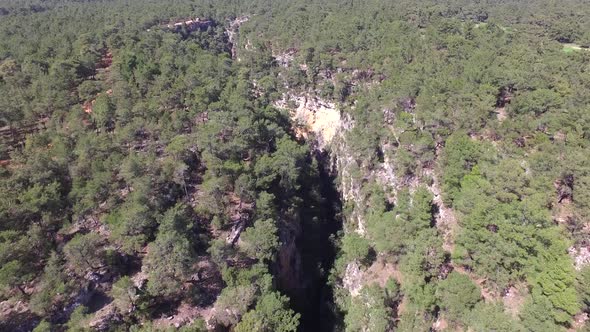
321 223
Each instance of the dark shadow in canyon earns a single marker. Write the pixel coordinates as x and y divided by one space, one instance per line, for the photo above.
321 221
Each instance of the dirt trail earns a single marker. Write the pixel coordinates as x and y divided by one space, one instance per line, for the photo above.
515 299
381 271
501 114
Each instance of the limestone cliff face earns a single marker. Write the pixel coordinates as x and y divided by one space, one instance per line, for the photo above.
232 34
323 125
313 118
318 121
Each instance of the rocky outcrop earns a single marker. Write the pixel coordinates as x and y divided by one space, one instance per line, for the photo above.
284 59
16 316
191 24
232 34
581 257
105 318
313 116
323 124
353 278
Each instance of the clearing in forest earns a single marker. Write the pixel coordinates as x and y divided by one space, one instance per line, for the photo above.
571 47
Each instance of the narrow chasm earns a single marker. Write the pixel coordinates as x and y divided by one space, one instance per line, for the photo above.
321 224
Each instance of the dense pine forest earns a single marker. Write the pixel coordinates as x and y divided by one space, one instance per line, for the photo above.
294 165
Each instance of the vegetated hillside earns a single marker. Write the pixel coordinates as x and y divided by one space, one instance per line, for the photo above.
294 165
